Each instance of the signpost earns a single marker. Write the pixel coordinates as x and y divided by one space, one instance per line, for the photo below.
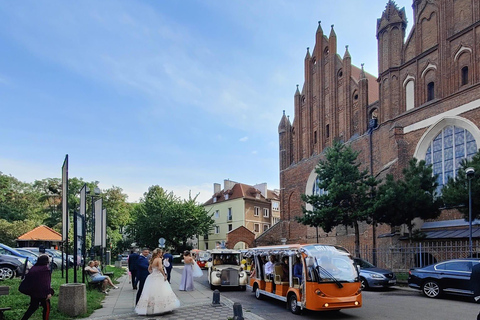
161 242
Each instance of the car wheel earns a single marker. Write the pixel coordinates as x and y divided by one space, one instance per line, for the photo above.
7 272
431 289
258 295
292 304
363 283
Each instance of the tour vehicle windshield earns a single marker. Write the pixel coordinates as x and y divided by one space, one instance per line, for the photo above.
331 264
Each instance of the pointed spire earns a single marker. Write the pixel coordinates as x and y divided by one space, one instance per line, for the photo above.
308 53
332 33
347 54
319 29
362 73
283 112
297 92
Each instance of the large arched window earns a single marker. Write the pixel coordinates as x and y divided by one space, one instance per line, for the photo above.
448 149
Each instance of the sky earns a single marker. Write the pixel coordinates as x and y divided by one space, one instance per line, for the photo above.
180 94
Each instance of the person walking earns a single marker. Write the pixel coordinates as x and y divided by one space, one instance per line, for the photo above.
132 267
167 257
187 275
37 285
475 282
142 271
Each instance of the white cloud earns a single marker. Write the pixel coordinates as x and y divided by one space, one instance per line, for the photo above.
244 139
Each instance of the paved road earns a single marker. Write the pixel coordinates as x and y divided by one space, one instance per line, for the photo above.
394 304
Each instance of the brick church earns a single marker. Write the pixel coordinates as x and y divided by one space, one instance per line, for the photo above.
425 104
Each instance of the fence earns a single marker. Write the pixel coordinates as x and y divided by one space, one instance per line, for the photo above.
403 256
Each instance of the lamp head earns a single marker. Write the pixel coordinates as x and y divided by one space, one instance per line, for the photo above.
470 172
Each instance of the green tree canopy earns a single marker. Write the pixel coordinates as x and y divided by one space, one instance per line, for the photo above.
162 214
455 192
346 197
414 196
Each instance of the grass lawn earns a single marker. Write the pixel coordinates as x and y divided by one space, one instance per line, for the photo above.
19 302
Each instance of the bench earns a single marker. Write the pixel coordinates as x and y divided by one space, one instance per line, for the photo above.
3 292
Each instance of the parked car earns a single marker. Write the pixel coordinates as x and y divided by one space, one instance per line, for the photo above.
11 266
57 259
4 249
451 276
373 277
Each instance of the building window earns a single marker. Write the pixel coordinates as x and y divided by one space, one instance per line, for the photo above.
315 137
257 211
275 220
214 199
226 196
275 206
206 245
256 227
230 227
205 237
464 76
229 216
327 130
217 229
410 95
431 91
217 214
265 227
447 150
265 213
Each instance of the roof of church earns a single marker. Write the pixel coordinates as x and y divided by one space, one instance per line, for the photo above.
372 83
43 233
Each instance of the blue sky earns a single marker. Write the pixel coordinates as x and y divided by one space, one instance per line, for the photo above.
181 94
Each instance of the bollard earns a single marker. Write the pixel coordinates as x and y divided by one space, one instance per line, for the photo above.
216 298
237 311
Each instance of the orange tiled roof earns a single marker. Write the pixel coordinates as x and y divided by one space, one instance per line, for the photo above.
41 233
240 190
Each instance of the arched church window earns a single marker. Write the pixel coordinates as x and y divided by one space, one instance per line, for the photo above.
410 95
447 150
316 190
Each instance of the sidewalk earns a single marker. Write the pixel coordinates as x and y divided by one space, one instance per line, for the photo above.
197 304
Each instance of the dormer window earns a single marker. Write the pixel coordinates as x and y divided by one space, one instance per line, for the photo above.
214 199
226 196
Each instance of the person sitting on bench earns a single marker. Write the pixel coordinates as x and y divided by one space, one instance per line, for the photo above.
97 277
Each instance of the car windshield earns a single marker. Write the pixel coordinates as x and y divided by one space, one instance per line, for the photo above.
364 264
333 264
226 258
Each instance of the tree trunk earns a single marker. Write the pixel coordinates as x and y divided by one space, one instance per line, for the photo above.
357 239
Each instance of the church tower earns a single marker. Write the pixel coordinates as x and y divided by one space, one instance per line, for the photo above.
390 37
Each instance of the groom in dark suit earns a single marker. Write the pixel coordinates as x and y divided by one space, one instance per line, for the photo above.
132 267
142 271
167 256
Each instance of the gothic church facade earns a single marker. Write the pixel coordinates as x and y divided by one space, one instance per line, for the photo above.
425 103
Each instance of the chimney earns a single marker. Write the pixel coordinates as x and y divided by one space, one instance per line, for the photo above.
228 184
263 188
216 187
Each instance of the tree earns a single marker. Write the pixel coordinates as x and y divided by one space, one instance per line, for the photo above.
162 214
400 201
346 197
18 200
455 192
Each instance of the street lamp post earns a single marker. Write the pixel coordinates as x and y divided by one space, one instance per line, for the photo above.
470 174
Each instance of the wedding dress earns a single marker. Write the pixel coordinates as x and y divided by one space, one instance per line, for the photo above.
157 296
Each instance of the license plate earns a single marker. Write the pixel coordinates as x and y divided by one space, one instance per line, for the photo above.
392 281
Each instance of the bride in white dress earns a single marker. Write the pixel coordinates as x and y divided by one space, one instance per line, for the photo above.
157 295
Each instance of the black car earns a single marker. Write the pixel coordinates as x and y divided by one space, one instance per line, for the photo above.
451 276
11 266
